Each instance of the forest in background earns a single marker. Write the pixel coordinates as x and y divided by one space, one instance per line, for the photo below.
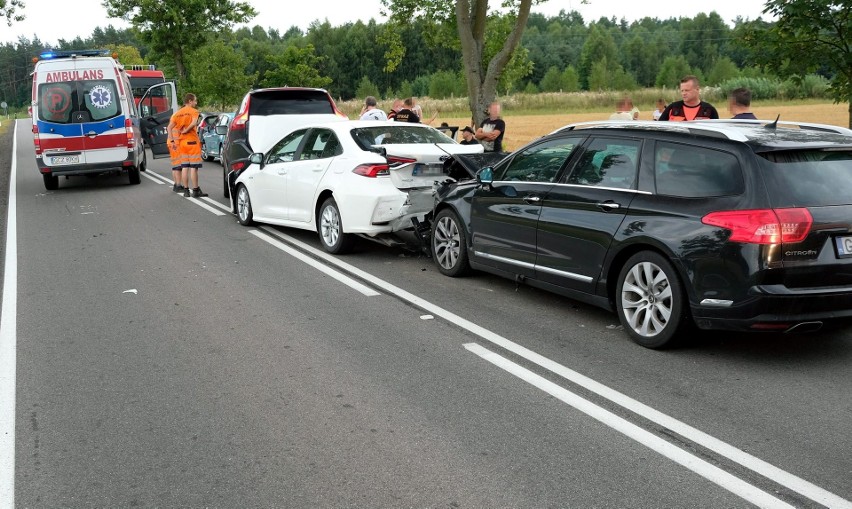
563 53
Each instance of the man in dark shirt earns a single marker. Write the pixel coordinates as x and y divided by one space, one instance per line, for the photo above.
397 105
407 114
467 136
691 107
491 132
739 103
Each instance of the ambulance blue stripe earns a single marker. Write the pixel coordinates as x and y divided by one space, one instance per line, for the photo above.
74 129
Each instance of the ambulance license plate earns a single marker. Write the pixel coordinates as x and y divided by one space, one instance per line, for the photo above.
57 160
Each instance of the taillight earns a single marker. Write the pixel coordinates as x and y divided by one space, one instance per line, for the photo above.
372 170
398 161
36 141
128 129
241 117
763 226
239 165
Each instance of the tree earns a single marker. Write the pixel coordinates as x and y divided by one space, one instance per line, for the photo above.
470 19
8 8
175 27
366 87
295 67
671 72
809 36
217 74
552 81
127 55
723 69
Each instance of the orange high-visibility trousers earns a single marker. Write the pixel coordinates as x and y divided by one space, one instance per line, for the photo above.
190 152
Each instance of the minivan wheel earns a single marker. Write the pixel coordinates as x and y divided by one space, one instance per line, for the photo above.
244 212
134 175
330 229
449 244
51 182
225 188
649 300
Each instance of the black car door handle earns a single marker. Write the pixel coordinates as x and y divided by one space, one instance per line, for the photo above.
532 199
608 206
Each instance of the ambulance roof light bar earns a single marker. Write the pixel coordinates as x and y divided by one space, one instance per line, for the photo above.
50 54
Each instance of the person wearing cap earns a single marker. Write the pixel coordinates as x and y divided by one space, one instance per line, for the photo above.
370 111
467 136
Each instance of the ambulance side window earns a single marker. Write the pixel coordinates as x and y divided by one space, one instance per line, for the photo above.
101 99
56 101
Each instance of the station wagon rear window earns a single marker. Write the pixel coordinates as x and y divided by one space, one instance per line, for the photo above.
808 178
290 102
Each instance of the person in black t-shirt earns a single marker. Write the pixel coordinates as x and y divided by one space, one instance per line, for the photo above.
491 132
691 107
739 103
468 136
407 113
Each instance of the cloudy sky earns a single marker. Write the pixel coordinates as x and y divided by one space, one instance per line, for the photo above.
50 25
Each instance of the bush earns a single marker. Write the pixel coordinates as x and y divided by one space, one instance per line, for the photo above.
445 84
552 81
366 87
531 88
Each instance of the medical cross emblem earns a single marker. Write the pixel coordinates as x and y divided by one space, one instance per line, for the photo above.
100 97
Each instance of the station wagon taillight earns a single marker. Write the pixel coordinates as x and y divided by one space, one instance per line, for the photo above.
372 170
763 226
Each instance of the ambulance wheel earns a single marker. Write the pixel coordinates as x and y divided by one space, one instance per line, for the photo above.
135 178
144 165
51 182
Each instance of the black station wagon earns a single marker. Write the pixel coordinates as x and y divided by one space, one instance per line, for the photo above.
738 225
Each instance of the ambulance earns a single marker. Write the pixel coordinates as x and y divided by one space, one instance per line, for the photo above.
85 119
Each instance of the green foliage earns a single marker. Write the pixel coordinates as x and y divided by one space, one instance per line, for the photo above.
519 67
217 77
531 88
722 70
570 79
445 84
127 55
672 70
405 90
420 86
599 47
599 76
177 27
367 87
552 81
295 67
8 9
773 88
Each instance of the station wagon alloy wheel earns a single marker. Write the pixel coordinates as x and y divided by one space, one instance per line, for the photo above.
649 300
449 246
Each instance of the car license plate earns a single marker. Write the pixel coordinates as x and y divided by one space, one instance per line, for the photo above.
56 160
427 170
844 246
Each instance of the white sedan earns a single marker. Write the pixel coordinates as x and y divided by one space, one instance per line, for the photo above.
342 179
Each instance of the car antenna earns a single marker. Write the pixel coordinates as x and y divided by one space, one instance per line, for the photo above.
774 125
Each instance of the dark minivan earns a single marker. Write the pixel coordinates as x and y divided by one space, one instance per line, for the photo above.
264 116
738 225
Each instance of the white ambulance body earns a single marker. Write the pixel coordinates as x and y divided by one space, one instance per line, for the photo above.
85 120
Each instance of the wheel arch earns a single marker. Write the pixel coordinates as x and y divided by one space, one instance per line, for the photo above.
620 258
441 206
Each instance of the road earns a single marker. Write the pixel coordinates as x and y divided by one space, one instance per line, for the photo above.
165 356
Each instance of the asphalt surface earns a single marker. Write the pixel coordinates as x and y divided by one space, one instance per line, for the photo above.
169 357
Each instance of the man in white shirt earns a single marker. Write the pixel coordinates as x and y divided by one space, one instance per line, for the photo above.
370 111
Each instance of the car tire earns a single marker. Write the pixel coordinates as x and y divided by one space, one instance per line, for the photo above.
245 215
220 155
650 300
144 165
449 244
330 229
225 188
134 176
204 154
51 182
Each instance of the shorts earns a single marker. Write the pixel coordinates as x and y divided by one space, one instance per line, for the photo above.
175 157
190 153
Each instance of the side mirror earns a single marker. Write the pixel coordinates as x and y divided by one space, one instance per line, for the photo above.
221 130
256 158
485 175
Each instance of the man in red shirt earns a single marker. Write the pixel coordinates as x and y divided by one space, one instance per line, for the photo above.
691 107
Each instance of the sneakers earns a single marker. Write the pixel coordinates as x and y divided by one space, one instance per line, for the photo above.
177 188
186 192
198 193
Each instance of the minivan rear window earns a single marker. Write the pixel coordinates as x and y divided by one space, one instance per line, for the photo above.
290 102
808 178
76 102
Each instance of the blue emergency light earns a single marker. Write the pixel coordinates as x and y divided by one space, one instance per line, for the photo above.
50 54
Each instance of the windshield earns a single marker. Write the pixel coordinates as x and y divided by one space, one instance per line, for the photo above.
397 135
807 178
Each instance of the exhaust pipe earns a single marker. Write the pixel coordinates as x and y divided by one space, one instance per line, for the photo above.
804 327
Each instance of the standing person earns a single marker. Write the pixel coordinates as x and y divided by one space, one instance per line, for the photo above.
370 111
623 110
397 105
691 107
661 105
408 113
186 121
491 132
468 136
739 103
175 157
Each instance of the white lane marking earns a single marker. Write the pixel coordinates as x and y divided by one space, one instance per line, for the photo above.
205 206
215 203
701 467
163 180
152 179
791 481
153 175
8 340
325 269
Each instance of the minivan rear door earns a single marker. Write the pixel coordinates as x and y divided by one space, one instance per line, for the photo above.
102 119
59 128
156 108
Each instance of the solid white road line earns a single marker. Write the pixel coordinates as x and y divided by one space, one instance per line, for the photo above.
325 269
701 467
159 179
206 207
739 456
8 340
215 203
152 179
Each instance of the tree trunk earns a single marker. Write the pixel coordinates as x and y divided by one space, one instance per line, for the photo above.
471 16
850 112
179 65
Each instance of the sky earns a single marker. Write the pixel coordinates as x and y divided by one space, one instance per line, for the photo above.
50 25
